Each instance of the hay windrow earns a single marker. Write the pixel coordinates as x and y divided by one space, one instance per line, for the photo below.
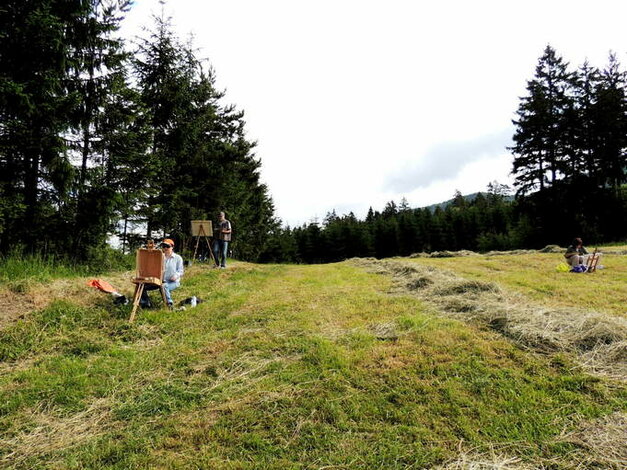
547 249
385 331
18 304
604 442
487 462
598 341
50 434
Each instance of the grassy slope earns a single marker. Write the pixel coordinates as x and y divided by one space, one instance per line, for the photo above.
281 368
536 276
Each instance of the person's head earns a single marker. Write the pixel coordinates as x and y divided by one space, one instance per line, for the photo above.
221 216
168 245
577 242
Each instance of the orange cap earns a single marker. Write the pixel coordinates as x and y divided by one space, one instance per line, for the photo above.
169 241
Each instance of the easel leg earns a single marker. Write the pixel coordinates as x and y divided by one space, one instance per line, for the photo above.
593 263
196 249
213 258
139 289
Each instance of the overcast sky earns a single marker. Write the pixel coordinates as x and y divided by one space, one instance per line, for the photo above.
355 103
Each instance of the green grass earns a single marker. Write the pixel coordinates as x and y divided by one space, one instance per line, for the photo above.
16 268
281 367
535 275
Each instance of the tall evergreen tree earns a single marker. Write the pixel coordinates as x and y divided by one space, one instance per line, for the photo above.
47 49
583 140
100 77
203 161
610 125
540 146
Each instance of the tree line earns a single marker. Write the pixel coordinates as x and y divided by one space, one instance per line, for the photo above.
481 223
99 137
569 166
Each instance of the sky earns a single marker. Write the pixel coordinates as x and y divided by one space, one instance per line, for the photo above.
355 103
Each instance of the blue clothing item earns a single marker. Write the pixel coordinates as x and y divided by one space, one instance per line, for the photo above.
168 287
220 248
173 268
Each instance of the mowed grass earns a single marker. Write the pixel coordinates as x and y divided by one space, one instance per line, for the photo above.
535 276
282 367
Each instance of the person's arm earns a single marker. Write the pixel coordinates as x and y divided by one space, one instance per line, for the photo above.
228 227
179 267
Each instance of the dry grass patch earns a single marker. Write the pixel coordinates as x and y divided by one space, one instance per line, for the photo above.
48 433
598 340
604 441
493 460
31 296
535 275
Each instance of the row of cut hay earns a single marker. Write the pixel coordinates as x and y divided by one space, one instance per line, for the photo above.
604 441
491 460
546 249
49 433
598 341
601 444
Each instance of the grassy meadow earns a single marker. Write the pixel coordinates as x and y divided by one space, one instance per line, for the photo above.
535 275
303 367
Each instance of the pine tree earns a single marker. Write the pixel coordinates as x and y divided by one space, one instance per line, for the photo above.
203 161
541 148
610 125
47 48
97 135
583 139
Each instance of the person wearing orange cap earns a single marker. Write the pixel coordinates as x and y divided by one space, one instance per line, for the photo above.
172 272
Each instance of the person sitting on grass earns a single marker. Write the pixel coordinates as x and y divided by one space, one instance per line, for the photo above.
576 253
172 273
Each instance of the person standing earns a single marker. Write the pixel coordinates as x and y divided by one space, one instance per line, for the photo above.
221 244
172 272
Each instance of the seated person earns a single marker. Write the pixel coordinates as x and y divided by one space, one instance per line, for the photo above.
576 253
172 273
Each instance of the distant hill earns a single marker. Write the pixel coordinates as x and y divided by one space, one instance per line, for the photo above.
467 197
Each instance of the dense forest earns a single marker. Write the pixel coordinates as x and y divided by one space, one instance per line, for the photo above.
99 137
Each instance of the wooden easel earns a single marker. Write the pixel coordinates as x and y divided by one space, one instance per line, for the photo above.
592 261
149 272
199 231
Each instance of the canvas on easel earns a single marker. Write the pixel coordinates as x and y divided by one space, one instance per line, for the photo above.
202 229
149 265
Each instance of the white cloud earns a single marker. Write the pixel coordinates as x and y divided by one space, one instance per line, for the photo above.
446 160
346 96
